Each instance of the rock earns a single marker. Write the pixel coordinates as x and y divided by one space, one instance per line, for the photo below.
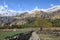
34 36
14 30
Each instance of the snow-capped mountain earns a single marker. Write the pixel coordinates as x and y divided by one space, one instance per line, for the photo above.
46 13
4 11
7 12
22 17
54 8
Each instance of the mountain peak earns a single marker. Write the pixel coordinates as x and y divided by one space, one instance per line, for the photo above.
4 11
54 8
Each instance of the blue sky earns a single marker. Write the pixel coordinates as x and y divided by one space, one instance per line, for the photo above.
28 4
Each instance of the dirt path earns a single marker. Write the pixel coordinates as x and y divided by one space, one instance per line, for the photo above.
34 36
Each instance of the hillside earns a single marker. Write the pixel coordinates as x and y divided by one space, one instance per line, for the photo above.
22 18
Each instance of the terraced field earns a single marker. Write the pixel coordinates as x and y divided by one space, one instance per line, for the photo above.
11 33
43 36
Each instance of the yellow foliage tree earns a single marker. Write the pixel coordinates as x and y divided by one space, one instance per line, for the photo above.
42 22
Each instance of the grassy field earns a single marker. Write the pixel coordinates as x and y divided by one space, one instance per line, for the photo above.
50 34
43 36
6 34
49 37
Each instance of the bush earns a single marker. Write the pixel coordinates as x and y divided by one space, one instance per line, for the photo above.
56 23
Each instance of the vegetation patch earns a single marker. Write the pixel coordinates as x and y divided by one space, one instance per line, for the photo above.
7 34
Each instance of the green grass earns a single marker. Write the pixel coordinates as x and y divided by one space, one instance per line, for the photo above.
6 34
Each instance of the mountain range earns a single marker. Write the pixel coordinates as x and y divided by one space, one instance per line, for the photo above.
10 17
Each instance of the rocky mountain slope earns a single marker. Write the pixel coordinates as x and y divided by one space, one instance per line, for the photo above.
12 18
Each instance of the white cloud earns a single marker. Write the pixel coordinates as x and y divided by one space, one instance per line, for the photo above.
51 4
43 9
2 7
36 8
5 5
12 10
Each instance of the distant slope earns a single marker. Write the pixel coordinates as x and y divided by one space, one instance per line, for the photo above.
21 18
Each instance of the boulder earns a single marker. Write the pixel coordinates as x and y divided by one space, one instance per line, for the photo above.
34 36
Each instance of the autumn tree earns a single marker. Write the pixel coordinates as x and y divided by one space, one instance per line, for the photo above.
40 22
